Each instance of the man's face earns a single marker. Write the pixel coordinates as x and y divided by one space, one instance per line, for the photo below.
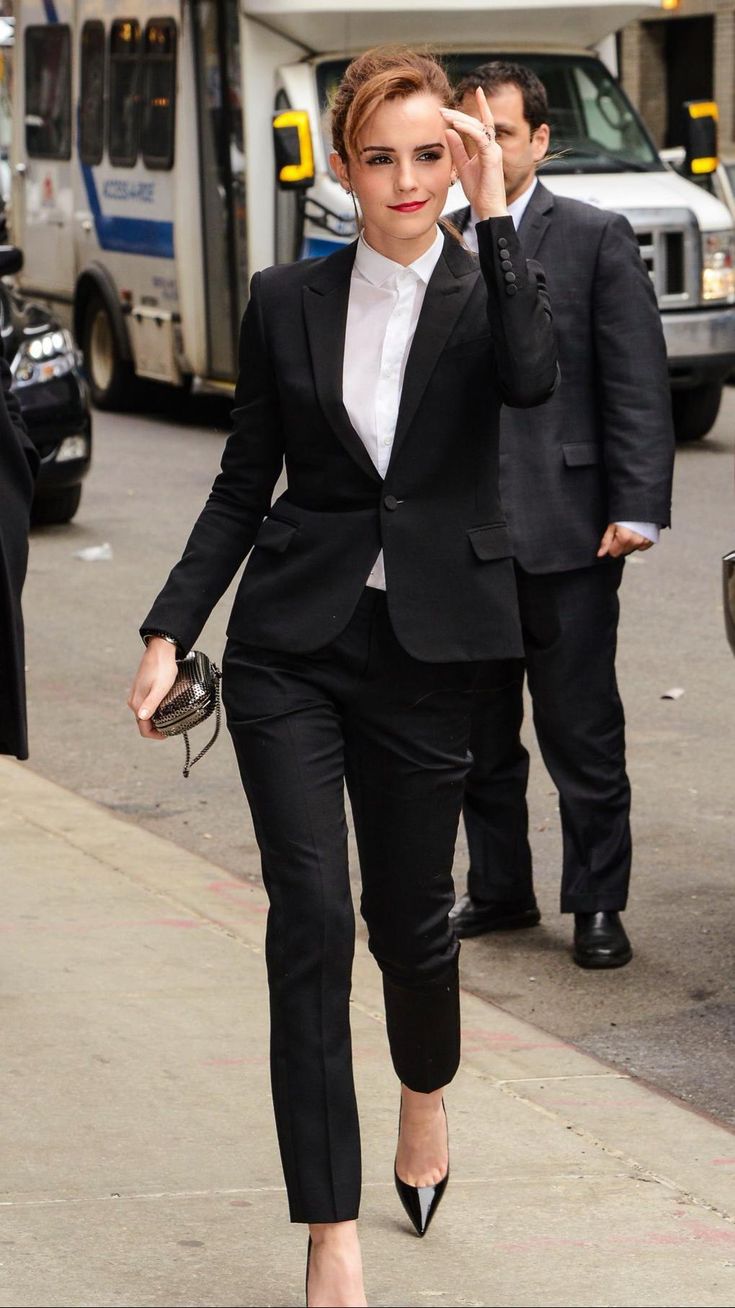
521 150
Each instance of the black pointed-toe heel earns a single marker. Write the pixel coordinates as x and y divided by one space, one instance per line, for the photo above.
421 1201
306 1281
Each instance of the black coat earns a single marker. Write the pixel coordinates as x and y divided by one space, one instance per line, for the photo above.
602 449
480 340
18 468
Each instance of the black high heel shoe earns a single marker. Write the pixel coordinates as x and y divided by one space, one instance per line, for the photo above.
306 1281
421 1201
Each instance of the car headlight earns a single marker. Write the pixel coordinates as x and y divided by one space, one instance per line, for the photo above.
718 266
44 357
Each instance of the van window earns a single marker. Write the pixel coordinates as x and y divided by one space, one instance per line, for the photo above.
125 70
159 93
48 91
91 93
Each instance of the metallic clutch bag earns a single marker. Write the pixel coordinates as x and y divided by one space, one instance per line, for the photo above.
193 697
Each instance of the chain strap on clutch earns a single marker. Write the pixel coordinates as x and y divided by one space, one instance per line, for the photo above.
193 697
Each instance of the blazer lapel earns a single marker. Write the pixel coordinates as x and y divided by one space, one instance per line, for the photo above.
326 298
450 287
535 220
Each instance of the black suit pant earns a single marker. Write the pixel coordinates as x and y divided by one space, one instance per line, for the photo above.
397 730
570 622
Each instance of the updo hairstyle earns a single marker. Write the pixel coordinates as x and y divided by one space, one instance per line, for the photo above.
385 73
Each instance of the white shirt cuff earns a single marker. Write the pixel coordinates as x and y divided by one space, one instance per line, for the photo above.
650 530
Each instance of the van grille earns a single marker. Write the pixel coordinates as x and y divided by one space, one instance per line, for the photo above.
670 250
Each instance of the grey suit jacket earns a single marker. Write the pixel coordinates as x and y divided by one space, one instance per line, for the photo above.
602 448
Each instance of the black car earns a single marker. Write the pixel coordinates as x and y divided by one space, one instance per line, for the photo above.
52 393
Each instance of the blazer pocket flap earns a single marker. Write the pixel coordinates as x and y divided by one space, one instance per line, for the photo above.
273 534
581 454
491 542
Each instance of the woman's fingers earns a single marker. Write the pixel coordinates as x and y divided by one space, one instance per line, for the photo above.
460 157
468 126
484 110
156 675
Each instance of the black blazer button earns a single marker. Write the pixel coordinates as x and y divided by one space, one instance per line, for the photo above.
391 502
506 265
511 290
510 277
502 243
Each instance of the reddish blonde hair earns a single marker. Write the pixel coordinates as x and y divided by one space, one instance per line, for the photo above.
385 73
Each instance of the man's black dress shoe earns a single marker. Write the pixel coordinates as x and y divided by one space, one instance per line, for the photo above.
473 917
600 940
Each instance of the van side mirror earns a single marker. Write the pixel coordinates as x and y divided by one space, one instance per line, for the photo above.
700 137
293 149
11 260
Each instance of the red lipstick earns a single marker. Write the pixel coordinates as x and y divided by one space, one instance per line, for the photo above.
411 206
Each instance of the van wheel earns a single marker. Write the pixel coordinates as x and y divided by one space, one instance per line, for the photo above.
695 411
111 378
56 507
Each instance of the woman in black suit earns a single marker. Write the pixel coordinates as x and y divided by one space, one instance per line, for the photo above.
19 464
378 587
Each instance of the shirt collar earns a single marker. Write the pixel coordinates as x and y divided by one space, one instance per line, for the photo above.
518 207
379 270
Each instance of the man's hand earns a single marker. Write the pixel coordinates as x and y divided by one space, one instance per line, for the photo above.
621 540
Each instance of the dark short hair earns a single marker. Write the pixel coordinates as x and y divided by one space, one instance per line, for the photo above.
498 73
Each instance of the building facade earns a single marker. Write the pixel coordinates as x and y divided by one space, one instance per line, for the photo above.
685 53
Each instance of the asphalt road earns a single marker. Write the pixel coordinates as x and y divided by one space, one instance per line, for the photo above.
669 1016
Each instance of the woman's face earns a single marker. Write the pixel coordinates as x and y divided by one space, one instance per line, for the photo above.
401 175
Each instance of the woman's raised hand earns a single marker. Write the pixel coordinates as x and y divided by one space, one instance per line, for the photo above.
480 169
154 679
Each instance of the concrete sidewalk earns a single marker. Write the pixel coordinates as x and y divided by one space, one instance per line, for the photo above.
139 1164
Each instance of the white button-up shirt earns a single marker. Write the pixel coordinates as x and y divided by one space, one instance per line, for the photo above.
516 209
384 306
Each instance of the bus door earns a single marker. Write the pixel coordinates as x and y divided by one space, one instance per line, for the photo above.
43 201
222 178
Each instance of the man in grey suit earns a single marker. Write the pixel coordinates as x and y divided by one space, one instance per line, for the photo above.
584 481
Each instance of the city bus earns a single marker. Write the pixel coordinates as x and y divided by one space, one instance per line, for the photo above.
164 150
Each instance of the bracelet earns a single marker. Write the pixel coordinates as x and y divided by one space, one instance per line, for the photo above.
162 635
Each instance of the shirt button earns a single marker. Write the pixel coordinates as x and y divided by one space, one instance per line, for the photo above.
391 503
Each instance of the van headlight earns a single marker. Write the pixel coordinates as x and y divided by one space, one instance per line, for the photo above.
718 266
44 357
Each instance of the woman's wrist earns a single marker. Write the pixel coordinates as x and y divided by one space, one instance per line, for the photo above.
483 214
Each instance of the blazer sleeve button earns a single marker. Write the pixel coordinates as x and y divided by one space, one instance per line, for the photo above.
390 502
510 277
502 243
506 265
511 290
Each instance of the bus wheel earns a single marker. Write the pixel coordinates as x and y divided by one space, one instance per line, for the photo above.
111 378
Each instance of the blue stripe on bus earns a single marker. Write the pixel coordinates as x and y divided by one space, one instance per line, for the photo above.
314 247
51 14
128 235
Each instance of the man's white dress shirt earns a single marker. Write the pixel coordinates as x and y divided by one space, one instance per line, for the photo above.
516 209
384 306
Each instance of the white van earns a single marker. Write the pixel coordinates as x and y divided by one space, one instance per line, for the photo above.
145 192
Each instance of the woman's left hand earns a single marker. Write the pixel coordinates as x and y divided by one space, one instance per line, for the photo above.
480 173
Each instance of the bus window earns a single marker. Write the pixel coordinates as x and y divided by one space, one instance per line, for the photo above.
48 91
91 95
124 92
159 93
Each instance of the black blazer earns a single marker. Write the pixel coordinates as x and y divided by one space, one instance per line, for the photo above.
602 450
18 467
480 340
